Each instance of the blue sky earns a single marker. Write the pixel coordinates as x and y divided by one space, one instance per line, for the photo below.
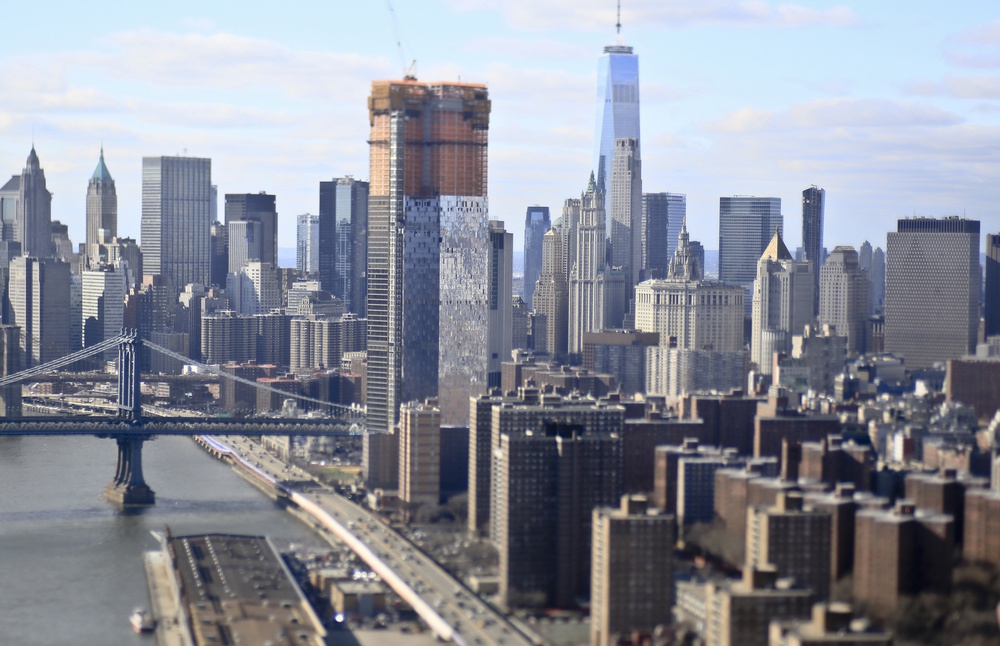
893 107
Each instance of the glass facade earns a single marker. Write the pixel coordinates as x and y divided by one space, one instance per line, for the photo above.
307 244
536 225
746 226
617 108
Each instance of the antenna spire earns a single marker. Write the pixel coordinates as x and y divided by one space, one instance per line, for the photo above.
618 25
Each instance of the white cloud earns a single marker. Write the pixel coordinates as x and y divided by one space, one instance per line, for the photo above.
959 87
978 47
835 113
600 15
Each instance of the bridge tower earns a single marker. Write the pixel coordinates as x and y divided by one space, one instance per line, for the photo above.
129 487
10 363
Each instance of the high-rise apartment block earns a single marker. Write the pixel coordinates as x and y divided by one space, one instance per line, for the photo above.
793 539
102 210
176 217
39 295
782 303
739 613
536 225
307 245
632 570
420 453
343 241
813 207
428 248
746 224
546 484
932 289
844 302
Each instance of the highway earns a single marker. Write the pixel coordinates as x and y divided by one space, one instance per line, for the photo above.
449 608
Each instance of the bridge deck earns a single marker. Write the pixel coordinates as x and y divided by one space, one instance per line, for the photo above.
107 427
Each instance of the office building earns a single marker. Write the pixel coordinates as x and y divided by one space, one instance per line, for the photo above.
546 484
794 539
992 294
687 311
568 226
588 273
254 288
102 210
621 353
813 207
844 301
932 289
878 281
307 245
103 306
258 238
551 323
746 225
782 303
343 241
176 219
663 214
219 245
536 225
420 453
501 293
624 204
617 110
39 292
519 324
428 249
632 570
33 224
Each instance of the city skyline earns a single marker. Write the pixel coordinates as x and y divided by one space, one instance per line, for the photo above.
901 120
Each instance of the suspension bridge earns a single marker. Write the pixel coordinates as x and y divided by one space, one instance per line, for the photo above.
130 428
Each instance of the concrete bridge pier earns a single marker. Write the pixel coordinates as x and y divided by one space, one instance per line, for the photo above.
129 487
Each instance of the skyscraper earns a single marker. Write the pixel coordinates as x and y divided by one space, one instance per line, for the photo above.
103 305
782 303
617 109
307 245
932 289
536 225
877 293
992 295
501 299
746 225
813 206
624 204
843 297
586 300
176 219
34 211
39 296
102 210
428 250
343 241
551 299
259 208
662 217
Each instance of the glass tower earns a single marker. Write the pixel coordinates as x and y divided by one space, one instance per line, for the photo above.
746 225
617 108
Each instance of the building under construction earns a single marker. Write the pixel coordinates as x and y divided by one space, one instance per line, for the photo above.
428 262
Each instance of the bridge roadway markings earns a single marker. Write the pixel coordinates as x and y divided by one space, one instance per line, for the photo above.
474 621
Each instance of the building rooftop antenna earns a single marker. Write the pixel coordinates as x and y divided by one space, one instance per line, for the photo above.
618 25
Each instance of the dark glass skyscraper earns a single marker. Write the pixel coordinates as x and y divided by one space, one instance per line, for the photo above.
536 225
343 241
813 205
992 295
253 207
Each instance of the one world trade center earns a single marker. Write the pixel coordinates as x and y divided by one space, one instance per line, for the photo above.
617 107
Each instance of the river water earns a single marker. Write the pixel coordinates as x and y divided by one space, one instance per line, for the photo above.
71 563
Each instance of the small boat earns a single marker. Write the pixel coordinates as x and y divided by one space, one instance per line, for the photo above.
142 622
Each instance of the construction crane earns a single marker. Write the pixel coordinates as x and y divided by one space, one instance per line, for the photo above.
409 73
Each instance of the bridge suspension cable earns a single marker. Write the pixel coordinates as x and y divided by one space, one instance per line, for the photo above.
61 362
221 373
